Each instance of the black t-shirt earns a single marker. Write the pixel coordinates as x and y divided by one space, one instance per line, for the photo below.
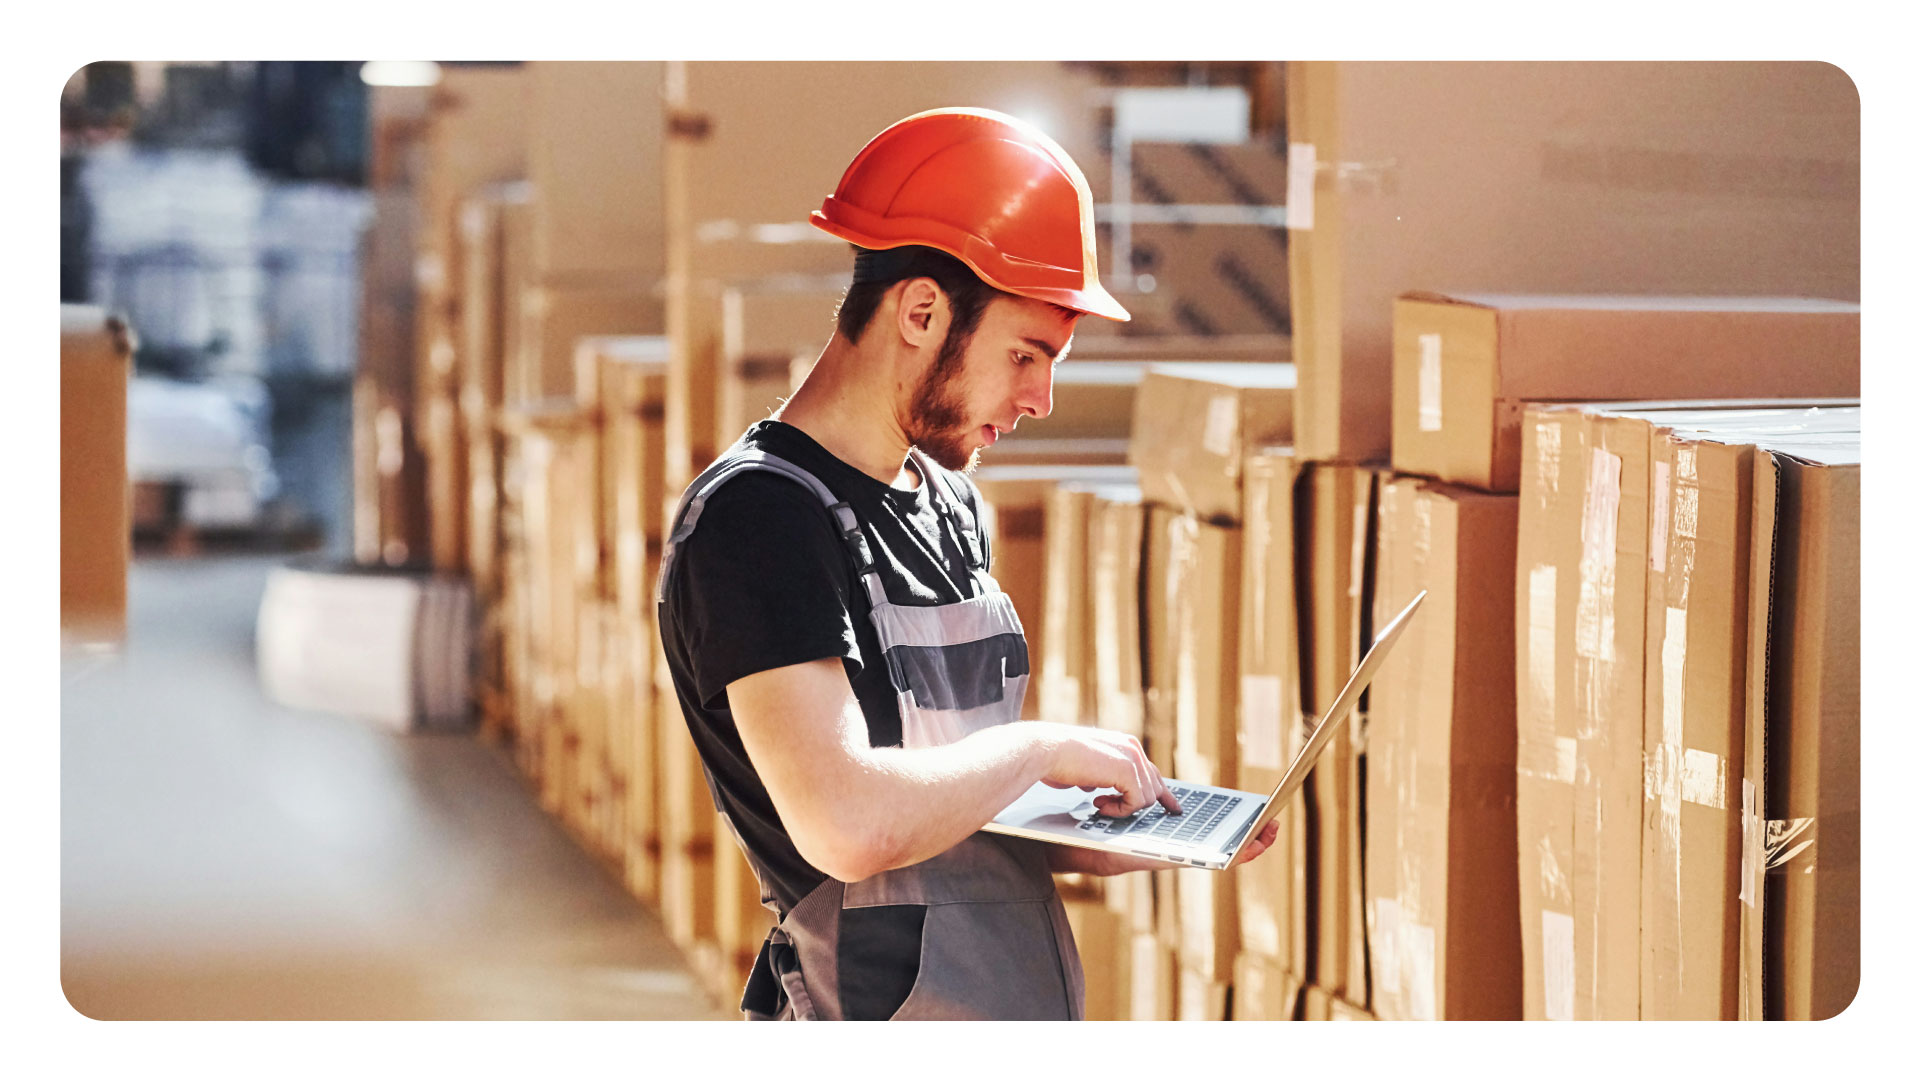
765 581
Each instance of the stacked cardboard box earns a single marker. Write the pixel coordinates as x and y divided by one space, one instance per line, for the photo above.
1800 798
1195 428
1628 178
96 531
1600 506
1273 889
1442 899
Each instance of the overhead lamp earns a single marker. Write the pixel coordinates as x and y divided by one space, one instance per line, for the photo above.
400 73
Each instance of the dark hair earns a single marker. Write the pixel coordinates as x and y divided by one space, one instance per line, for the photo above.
874 272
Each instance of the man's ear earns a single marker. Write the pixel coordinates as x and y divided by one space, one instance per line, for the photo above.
923 312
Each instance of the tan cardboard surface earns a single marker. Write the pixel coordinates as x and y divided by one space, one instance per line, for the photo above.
1442 888
1065 668
96 528
1803 849
1264 989
1204 580
1464 364
593 154
1662 177
1192 430
1118 536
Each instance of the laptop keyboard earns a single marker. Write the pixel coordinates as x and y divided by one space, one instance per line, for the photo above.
1204 811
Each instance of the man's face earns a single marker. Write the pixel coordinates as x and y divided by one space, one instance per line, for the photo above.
971 396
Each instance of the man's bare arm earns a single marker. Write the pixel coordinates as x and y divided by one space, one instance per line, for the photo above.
854 810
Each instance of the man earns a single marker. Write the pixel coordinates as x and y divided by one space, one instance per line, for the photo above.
849 670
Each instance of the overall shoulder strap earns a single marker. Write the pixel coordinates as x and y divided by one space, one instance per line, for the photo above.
740 460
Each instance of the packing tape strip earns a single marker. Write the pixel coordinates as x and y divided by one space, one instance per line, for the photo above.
1599 525
1547 454
1536 746
1429 382
1662 494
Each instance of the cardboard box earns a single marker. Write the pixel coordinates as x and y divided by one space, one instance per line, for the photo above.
764 336
1273 902
1159 645
1015 498
1155 980
1658 177
593 154
1586 520
1118 537
96 526
1209 922
1204 590
1443 924
1264 989
1334 506
1464 365
1800 801
1202 997
555 318
1193 427
1217 278
1065 675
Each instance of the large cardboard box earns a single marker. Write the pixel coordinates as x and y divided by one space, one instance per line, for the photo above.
1660 177
1209 908
96 501
593 149
1273 902
1065 675
1117 534
1464 365
553 319
1015 498
1264 989
1800 800
1201 996
1204 588
1588 513
1194 425
1217 279
1155 979
1333 526
1443 925
765 333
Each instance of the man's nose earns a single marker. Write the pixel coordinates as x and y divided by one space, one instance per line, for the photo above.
1037 400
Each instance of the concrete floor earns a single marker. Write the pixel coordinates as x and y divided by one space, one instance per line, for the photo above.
222 857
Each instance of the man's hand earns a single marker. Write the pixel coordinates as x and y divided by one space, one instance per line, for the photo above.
1093 758
1072 860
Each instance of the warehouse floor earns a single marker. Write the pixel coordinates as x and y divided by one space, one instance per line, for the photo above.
222 857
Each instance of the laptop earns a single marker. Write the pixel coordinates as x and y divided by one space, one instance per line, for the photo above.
1216 821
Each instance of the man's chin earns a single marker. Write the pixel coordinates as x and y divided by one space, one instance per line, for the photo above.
953 456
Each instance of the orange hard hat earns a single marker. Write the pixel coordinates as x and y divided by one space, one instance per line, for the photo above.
991 190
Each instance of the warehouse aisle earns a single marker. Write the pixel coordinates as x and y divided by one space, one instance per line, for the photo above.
225 858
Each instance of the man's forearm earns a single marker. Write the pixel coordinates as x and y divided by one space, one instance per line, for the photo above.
920 802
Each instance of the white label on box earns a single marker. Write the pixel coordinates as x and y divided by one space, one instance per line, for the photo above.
1703 779
1223 425
1416 964
1429 382
1556 948
1302 166
1673 674
1566 752
1386 949
1662 483
1260 724
1547 449
1540 654
1599 529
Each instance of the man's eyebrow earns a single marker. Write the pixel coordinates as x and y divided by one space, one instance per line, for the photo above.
1052 353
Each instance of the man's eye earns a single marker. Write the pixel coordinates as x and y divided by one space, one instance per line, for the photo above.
1023 358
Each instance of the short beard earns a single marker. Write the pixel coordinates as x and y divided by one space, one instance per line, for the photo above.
936 417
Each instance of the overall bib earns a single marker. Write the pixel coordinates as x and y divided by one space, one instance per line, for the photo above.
995 942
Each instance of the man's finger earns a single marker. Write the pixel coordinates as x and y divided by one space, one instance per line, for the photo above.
1168 800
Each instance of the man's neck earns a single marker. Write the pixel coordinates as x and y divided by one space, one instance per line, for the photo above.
847 406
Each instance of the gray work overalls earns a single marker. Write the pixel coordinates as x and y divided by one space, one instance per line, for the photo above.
995 942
